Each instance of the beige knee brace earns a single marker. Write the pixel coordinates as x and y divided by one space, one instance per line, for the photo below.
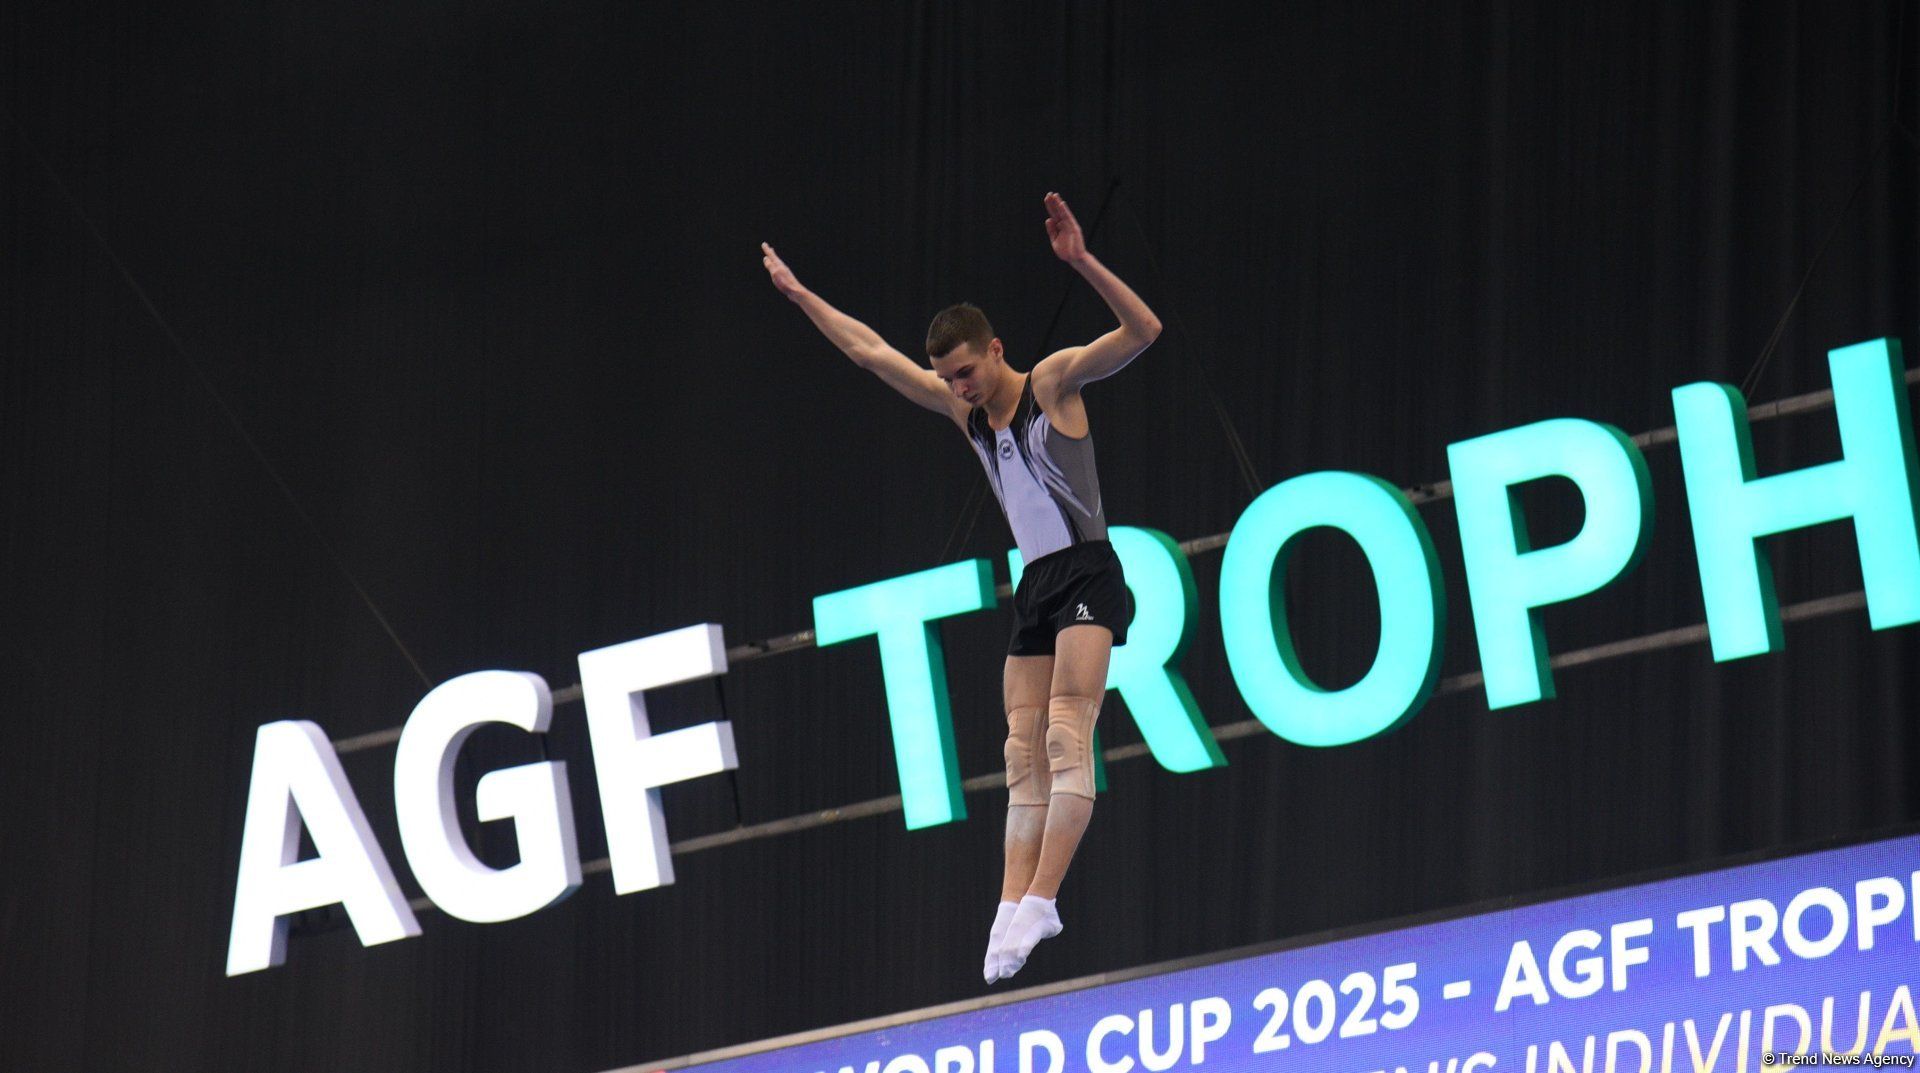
1070 744
1026 732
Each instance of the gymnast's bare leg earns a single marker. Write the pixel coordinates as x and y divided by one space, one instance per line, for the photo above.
1041 839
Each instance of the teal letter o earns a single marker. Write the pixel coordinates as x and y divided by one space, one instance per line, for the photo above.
1253 617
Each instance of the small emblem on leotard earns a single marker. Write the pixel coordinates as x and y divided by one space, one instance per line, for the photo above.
1006 448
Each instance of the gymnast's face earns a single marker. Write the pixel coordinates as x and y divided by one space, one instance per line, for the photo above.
970 370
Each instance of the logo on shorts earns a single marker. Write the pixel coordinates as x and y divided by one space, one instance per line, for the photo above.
1083 615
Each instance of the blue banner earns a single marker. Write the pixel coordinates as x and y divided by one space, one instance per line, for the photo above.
1809 960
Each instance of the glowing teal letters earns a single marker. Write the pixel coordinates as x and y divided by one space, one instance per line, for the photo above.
1873 484
1507 579
1253 615
902 611
1165 606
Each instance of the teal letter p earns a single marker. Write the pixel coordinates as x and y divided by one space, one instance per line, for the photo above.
1507 580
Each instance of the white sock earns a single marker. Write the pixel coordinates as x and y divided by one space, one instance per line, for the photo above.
1036 919
1002 919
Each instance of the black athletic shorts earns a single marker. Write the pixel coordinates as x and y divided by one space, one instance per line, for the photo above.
1079 585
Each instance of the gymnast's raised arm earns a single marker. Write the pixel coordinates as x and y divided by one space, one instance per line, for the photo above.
864 345
1068 370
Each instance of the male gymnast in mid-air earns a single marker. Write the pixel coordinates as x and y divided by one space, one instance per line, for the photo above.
1072 605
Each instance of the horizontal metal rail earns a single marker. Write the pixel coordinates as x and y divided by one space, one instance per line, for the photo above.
1459 683
1419 494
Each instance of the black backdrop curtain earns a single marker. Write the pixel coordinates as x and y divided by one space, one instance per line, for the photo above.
481 286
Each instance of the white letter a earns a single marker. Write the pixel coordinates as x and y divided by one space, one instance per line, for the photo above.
297 777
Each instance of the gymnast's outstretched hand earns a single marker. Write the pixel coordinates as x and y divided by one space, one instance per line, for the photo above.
782 276
1063 231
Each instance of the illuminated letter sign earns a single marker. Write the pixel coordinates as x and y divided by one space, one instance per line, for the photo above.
533 796
1164 609
1873 484
297 778
1507 579
1253 615
631 761
902 612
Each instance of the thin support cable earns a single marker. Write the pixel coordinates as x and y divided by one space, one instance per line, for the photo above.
973 516
1419 495
1242 458
1660 640
1752 379
733 774
1679 637
970 511
233 418
1899 60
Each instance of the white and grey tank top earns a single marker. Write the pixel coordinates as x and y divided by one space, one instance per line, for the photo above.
1044 479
